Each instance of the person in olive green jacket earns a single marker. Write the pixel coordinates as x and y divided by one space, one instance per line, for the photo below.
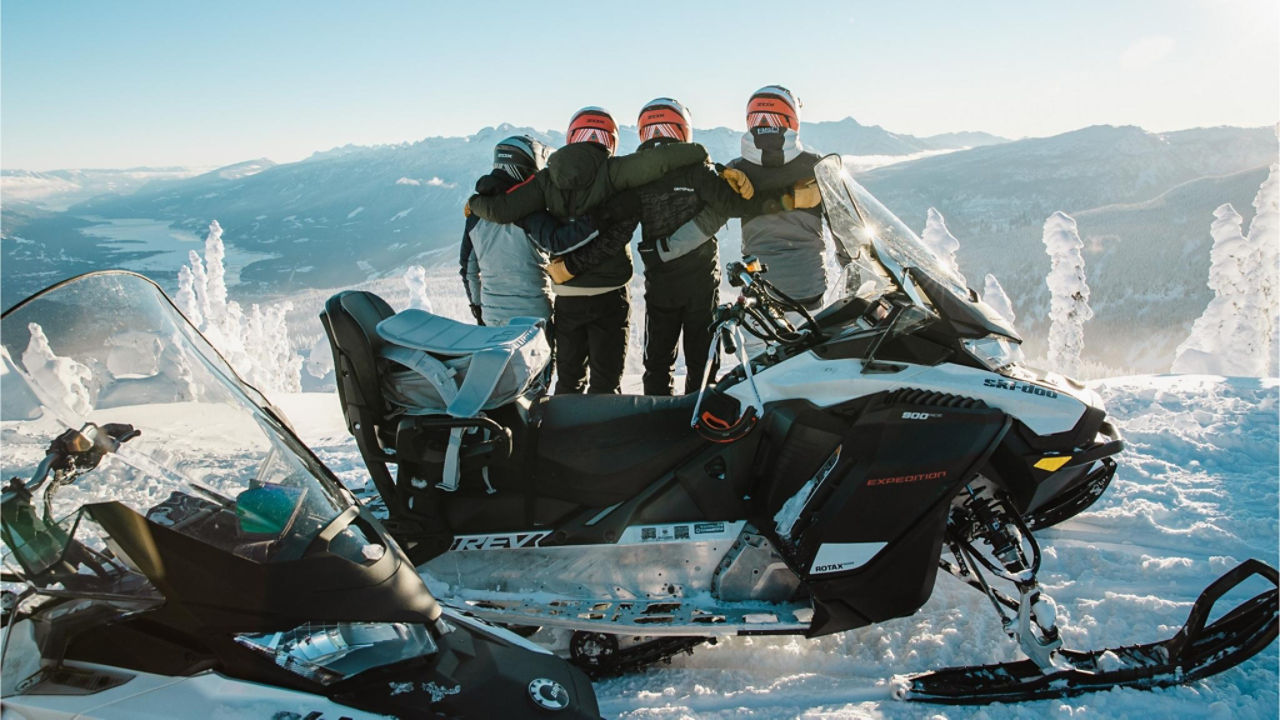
592 311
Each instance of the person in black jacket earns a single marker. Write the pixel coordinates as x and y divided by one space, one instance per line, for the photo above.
592 310
680 214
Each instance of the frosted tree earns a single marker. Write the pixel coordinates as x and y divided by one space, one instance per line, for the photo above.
320 358
1231 337
214 256
994 295
415 278
1068 293
1264 234
58 381
186 300
940 240
257 345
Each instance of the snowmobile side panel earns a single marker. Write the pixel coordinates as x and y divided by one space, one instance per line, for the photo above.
879 512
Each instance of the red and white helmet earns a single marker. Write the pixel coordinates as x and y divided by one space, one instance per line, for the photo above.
593 124
665 118
773 106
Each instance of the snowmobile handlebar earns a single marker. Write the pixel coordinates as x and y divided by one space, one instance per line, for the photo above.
79 451
762 308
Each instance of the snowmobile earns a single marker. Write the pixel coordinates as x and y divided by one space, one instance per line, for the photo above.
171 547
817 487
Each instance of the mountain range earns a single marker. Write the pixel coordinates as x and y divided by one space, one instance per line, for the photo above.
1141 199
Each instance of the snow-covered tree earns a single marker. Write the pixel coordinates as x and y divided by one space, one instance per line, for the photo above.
940 240
1069 293
58 381
994 295
186 299
257 346
214 256
415 278
1264 234
1232 337
320 358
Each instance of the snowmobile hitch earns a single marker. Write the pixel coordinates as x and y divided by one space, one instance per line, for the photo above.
1197 650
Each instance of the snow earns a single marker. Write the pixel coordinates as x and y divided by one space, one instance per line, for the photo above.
1195 494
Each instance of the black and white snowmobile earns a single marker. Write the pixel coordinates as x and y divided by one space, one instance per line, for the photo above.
818 487
200 559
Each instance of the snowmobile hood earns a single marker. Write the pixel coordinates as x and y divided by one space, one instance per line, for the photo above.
213 465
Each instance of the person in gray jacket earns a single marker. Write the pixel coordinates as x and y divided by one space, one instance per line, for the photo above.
504 267
790 243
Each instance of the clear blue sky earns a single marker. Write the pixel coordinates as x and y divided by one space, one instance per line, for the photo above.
126 83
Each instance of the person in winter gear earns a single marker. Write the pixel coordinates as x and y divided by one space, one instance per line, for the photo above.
790 243
592 310
584 173
503 268
680 214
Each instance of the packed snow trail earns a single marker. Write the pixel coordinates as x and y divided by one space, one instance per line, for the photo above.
1196 493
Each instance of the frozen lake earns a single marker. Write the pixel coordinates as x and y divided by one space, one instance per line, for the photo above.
165 247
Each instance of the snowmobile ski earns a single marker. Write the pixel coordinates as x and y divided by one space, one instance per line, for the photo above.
1196 651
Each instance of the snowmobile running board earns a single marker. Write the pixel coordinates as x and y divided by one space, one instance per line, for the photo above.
650 617
1196 651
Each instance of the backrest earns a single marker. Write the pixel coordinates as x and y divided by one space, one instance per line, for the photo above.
350 320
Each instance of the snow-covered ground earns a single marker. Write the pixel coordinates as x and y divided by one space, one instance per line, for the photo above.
1195 494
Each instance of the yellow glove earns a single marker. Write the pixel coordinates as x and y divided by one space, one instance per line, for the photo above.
739 181
466 209
559 272
803 195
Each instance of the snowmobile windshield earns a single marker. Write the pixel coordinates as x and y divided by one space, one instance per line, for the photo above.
886 254
874 237
212 461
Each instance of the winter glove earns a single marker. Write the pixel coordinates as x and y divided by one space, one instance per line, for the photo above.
466 208
476 311
559 272
739 181
803 195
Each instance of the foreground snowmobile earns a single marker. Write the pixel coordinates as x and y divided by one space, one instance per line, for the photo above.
818 487
199 558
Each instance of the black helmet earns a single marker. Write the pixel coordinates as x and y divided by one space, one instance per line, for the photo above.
520 156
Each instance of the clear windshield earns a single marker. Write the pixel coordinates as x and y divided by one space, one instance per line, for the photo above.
210 461
882 246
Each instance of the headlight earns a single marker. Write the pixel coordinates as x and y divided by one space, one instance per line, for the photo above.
328 652
994 352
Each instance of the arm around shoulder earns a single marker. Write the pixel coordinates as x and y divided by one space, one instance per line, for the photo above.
515 204
632 171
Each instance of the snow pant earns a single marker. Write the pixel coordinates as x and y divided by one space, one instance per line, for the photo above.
680 301
591 334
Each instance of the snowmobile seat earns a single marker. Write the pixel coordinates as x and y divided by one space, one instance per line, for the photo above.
633 440
386 438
